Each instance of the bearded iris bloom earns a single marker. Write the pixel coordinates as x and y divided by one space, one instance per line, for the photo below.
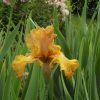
43 49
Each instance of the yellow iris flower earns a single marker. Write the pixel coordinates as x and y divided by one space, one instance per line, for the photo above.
43 49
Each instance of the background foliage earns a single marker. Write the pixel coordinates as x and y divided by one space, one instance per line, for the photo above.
77 6
42 12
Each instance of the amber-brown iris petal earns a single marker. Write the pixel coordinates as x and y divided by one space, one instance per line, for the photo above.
54 50
19 64
68 66
39 41
32 41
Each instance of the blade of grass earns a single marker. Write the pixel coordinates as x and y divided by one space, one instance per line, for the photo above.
60 38
65 89
84 84
2 79
7 88
8 42
79 78
32 91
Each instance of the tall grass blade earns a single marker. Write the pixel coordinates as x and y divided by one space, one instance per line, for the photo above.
8 42
79 77
68 97
7 88
32 91
2 79
60 38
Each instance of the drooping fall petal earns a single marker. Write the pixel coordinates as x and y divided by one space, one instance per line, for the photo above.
19 64
68 66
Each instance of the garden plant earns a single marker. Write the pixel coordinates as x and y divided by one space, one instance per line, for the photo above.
53 60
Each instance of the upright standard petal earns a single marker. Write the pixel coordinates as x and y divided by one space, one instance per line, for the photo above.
40 40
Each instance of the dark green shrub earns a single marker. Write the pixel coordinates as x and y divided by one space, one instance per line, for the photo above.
77 6
18 12
41 12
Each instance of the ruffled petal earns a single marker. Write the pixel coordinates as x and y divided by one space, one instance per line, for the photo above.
32 41
19 64
40 40
66 65
54 50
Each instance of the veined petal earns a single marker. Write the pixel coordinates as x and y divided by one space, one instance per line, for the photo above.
40 40
54 50
68 66
19 64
